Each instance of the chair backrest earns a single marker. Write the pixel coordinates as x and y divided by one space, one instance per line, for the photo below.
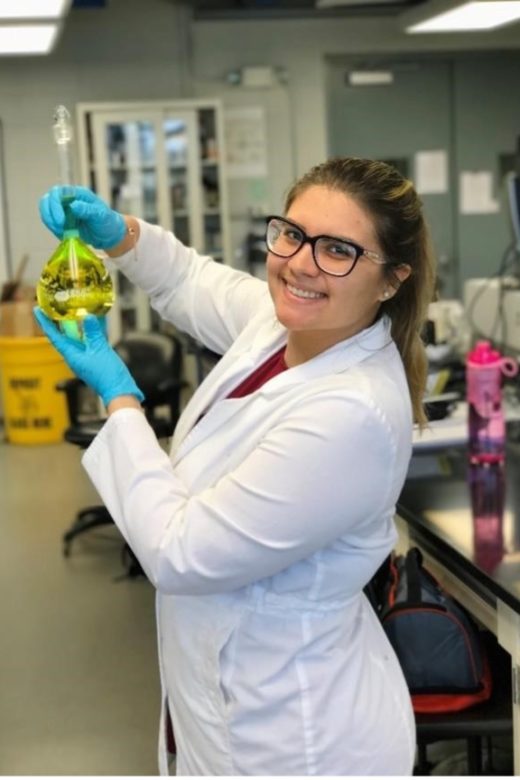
205 358
155 361
151 358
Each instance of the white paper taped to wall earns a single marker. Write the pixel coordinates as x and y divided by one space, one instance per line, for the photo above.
246 143
476 193
431 172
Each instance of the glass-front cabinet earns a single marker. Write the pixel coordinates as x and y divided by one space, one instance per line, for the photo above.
162 162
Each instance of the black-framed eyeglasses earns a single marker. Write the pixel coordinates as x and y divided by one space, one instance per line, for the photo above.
333 256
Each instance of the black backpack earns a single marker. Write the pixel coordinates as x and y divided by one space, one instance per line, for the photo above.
438 645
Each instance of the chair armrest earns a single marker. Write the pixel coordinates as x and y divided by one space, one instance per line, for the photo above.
68 385
172 384
72 389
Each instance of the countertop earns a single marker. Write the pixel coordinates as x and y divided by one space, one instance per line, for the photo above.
436 502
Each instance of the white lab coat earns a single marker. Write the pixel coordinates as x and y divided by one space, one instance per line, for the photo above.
259 532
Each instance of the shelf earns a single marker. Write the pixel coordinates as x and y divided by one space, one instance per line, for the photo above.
127 168
151 172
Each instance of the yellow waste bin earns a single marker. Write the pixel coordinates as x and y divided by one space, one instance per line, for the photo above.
34 411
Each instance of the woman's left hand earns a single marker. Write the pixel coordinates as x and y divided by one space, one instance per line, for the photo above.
93 360
98 224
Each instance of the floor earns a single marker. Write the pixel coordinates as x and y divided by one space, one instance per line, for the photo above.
78 666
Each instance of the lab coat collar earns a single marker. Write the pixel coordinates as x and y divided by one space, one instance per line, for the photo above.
272 336
336 359
211 400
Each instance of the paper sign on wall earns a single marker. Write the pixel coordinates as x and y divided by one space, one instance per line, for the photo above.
476 193
431 172
246 145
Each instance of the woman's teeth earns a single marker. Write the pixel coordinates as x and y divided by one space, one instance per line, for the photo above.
304 293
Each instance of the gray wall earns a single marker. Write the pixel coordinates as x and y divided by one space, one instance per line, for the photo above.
140 49
300 47
462 103
486 116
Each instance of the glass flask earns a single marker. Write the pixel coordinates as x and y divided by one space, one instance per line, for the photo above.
74 281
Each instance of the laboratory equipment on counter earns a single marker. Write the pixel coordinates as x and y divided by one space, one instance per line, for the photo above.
492 307
74 281
485 370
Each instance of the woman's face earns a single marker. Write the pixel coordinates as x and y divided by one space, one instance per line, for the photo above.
339 307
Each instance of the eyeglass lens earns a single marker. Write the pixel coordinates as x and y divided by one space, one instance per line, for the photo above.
332 255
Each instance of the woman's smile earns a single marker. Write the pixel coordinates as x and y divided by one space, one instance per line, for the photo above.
303 294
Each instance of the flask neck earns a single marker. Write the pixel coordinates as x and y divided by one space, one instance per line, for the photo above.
70 233
70 226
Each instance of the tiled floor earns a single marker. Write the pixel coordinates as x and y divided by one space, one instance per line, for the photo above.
79 690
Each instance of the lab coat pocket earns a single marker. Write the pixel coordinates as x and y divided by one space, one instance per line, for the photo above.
224 662
223 701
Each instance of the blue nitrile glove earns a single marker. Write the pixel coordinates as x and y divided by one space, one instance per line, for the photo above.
98 224
93 360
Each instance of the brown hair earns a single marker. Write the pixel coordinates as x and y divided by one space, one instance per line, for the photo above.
403 235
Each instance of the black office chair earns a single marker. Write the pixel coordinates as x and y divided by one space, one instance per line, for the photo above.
156 363
477 725
205 359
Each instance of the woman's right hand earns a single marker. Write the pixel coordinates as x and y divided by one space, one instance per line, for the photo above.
98 224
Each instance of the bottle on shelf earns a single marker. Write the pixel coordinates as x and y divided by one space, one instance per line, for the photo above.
74 281
211 149
485 370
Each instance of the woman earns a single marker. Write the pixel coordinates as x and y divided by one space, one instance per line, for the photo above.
275 506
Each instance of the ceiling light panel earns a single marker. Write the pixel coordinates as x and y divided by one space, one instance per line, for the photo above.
354 3
27 38
370 78
33 9
471 16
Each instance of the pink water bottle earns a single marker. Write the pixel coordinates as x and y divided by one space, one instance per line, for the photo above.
487 484
485 370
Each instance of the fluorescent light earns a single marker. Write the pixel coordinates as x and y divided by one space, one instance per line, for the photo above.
356 3
27 38
471 16
370 78
33 9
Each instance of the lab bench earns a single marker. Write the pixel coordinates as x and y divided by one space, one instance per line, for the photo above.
477 562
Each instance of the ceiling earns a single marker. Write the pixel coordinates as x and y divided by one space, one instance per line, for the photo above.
288 9
269 9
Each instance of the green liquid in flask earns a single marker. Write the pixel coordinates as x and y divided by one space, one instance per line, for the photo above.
74 281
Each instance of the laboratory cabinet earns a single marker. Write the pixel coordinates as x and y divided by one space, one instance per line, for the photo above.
164 162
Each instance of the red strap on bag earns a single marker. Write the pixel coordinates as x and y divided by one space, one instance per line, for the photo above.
428 703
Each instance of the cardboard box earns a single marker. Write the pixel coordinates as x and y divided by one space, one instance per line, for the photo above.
17 319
